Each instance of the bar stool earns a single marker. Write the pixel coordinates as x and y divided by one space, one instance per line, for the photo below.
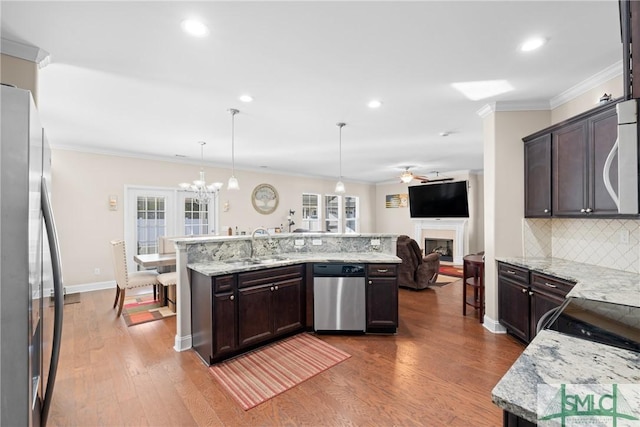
473 276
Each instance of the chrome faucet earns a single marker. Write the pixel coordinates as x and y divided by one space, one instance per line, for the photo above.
253 236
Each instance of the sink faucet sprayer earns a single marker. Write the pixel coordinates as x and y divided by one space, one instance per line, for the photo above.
253 236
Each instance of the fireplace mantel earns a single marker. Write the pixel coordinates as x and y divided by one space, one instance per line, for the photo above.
458 225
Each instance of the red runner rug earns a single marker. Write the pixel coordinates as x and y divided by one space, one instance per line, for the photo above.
451 270
268 371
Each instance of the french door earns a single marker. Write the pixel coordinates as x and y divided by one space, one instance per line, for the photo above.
154 212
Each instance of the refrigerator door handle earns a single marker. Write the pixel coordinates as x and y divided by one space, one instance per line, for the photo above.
57 297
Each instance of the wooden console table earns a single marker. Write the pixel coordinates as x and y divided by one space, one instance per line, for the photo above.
473 276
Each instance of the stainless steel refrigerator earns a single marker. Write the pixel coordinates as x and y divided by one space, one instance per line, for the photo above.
31 292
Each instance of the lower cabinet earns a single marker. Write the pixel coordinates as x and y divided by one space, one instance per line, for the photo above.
511 420
382 298
525 296
232 313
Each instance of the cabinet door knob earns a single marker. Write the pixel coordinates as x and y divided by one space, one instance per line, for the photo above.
583 210
272 289
276 287
589 210
231 297
530 293
524 291
546 211
370 282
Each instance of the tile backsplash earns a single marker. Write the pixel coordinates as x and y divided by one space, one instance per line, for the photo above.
613 243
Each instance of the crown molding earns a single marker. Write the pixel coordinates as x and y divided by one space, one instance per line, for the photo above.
25 51
500 106
594 81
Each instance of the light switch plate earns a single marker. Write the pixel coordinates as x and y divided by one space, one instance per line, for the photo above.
316 242
298 242
375 242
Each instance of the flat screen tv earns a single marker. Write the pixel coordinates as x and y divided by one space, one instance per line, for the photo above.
439 200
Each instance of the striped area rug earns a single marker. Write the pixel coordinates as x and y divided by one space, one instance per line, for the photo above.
266 372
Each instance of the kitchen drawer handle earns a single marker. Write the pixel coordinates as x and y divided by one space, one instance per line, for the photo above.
511 272
550 285
384 270
231 297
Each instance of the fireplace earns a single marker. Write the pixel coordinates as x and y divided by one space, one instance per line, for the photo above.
444 229
442 246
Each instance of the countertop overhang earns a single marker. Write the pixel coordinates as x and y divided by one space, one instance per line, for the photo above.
230 266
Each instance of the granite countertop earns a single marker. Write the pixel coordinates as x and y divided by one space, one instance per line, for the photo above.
592 282
222 238
552 359
217 268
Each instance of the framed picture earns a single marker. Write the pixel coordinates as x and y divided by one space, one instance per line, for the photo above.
264 198
397 200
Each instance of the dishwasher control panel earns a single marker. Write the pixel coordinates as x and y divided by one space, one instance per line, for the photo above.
338 270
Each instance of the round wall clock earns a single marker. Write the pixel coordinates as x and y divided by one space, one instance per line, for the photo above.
264 199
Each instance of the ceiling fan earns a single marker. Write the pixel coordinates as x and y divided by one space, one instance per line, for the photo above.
407 176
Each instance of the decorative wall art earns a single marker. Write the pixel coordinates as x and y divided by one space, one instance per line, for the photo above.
397 200
264 199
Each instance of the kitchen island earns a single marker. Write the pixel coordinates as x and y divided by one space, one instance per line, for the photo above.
224 255
554 358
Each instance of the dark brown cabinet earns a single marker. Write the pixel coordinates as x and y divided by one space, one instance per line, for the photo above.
513 300
525 296
579 152
564 167
382 298
233 313
537 160
269 304
213 316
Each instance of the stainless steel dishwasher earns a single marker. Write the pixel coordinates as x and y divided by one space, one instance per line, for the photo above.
339 301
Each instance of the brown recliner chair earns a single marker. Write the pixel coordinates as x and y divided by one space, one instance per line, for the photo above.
416 272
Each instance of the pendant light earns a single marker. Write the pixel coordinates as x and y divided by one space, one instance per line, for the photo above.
203 193
340 185
233 181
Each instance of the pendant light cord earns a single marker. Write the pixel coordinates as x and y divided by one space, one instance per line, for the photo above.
233 145
340 126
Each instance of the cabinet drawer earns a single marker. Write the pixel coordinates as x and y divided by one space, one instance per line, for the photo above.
517 274
223 284
382 270
545 283
269 275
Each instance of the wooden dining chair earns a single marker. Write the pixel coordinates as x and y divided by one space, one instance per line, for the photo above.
128 280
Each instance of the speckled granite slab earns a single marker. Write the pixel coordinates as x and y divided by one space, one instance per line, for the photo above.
217 268
592 282
553 359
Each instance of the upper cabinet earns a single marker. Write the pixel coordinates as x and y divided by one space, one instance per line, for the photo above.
537 173
564 167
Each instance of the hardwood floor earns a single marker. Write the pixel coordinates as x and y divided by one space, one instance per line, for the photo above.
437 371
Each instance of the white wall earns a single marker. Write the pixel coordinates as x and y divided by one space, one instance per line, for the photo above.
83 182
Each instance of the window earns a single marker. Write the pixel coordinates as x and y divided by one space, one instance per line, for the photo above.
310 212
196 217
150 223
351 214
332 214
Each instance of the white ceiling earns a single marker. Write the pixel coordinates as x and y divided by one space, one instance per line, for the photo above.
124 78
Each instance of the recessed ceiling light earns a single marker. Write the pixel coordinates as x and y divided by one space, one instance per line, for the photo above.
194 28
483 89
246 98
444 133
374 103
532 44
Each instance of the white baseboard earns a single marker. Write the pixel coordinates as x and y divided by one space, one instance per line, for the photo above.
182 343
493 326
88 287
